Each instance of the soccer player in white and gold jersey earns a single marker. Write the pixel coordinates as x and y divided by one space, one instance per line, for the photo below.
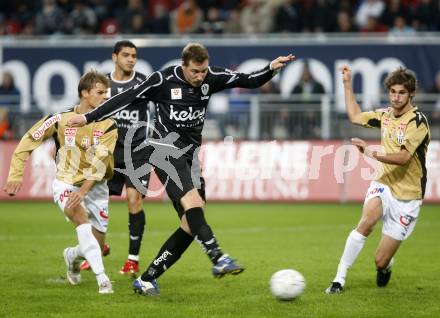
396 194
84 164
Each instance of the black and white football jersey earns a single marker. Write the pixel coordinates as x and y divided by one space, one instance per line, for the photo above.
134 113
180 107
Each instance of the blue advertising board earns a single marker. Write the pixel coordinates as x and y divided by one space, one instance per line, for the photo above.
47 72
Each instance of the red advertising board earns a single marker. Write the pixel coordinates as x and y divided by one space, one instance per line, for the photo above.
289 171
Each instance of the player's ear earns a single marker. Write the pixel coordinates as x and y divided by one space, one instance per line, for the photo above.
84 93
114 57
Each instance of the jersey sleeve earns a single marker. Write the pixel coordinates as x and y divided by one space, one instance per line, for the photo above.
415 133
225 78
371 119
33 138
146 89
103 153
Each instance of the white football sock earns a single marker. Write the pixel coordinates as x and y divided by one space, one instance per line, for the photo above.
354 244
101 278
133 257
89 248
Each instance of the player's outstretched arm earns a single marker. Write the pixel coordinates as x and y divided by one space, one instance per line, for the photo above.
77 121
351 105
32 139
281 61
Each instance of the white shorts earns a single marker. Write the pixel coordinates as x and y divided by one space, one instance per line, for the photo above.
95 202
399 216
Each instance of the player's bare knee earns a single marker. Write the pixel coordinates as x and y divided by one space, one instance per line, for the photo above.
134 201
192 199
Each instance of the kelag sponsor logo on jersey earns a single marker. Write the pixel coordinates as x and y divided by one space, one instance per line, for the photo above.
132 116
186 115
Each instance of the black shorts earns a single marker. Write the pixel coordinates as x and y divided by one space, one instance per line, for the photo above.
180 176
133 175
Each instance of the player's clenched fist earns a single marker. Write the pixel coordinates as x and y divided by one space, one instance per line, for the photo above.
346 74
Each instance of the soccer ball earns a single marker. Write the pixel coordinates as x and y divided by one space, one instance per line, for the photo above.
287 284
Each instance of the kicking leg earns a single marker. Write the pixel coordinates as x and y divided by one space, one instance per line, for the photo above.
371 213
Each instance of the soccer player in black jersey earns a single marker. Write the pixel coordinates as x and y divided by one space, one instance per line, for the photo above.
181 94
131 134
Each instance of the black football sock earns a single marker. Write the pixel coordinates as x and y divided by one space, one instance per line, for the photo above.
203 234
136 225
169 253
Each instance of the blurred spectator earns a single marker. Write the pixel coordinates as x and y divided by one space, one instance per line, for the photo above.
186 18
367 9
307 94
256 17
50 19
167 5
205 5
229 5
272 125
233 23
109 26
213 23
82 19
395 8
344 22
425 16
102 9
159 22
401 28
2 24
134 7
435 116
373 26
288 17
9 101
346 5
320 17
239 112
23 13
138 24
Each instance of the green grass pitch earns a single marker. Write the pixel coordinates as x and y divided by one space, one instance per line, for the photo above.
263 237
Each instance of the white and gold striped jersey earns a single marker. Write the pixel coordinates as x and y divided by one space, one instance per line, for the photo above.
409 131
84 153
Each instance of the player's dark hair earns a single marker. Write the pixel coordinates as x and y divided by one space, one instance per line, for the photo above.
89 81
121 44
402 76
195 52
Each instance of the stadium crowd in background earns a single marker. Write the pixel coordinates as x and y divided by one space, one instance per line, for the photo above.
9 102
55 17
